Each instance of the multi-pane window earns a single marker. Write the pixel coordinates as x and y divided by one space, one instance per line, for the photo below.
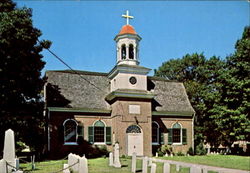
70 131
176 133
155 133
99 133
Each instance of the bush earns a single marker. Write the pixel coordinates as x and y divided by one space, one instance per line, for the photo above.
180 154
164 149
190 151
200 150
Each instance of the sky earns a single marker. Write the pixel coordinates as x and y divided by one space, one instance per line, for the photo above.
83 32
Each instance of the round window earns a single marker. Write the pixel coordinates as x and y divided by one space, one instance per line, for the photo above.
132 80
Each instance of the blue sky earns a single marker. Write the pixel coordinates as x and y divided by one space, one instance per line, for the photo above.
82 32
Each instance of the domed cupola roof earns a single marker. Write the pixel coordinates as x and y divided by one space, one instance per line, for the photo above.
127 29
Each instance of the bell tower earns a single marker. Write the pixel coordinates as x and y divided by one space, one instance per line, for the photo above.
129 98
127 44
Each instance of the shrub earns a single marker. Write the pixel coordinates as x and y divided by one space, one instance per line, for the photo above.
180 154
200 150
190 151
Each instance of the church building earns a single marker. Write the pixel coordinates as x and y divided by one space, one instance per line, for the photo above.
124 106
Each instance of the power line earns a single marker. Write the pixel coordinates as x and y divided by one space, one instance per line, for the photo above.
60 59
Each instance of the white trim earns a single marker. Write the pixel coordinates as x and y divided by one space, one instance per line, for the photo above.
70 119
101 121
158 134
70 143
105 125
175 143
100 143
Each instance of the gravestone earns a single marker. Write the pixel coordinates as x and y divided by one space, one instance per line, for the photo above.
156 154
117 162
195 169
145 164
133 165
166 168
177 168
204 170
9 149
3 166
83 165
66 170
149 161
111 159
153 168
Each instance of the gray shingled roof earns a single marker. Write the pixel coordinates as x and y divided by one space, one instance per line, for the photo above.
170 96
79 91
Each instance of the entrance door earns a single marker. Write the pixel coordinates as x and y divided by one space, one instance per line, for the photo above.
134 140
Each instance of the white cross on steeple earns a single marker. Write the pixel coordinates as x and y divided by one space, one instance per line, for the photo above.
127 16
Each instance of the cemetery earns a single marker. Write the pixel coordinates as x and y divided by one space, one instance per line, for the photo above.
191 116
113 163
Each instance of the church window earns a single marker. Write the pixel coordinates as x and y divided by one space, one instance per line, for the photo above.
70 131
133 129
123 51
177 135
131 51
155 133
99 133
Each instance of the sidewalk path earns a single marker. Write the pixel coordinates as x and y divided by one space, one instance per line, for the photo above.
208 168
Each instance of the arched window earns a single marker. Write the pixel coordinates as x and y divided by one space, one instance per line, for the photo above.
70 131
131 51
133 129
155 132
176 133
99 133
123 51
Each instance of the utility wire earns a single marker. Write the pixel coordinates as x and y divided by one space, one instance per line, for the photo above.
60 59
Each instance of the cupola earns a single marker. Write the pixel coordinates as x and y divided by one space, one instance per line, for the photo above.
127 44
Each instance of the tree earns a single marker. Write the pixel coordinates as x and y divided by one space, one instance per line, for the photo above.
219 92
231 116
200 77
20 73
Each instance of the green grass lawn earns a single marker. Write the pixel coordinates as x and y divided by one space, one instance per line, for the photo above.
229 161
100 165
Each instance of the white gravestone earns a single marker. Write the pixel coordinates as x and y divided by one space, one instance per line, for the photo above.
150 161
133 165
66 170
117 163
145 164
153 168
177 168
166 168
111 159
83 165
195 169
9 149
3 166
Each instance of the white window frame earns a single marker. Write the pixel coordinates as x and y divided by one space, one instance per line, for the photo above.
70 143
176 143
158 133
99 143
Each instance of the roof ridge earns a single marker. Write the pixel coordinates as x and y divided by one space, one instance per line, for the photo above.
79 72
